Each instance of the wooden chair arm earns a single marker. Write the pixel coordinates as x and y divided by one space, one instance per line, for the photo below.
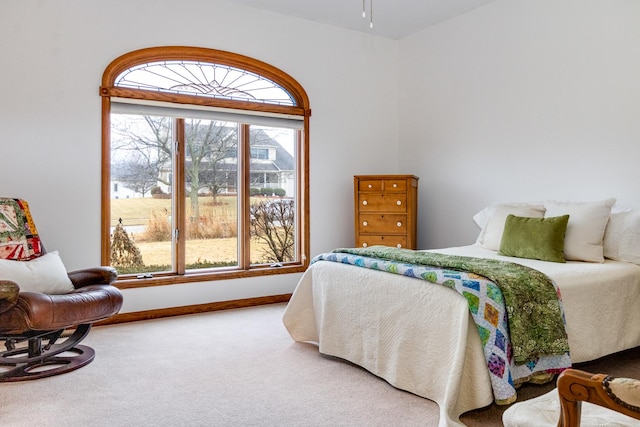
576 386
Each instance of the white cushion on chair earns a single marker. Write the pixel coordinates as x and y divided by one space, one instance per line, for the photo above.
46 274
544 411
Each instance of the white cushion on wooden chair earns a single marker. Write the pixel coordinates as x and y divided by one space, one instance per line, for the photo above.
543 411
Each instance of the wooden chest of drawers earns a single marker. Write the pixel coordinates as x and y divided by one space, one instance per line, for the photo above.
386 209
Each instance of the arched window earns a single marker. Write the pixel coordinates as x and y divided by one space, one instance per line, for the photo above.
205 160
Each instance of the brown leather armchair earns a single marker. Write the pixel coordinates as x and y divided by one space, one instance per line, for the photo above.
41 332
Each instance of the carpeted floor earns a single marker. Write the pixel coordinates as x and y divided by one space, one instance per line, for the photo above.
229 368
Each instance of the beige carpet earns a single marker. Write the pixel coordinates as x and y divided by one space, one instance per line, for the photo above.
227 368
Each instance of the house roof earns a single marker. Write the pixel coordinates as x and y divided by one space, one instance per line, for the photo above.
284 161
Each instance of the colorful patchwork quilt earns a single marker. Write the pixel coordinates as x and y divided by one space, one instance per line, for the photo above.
19 238
517 310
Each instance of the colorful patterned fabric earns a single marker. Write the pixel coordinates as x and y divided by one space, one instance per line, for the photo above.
19 238
487 305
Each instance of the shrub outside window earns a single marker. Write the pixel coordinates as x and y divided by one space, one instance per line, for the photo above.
205 160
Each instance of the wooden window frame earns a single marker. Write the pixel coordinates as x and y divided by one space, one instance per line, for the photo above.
109 90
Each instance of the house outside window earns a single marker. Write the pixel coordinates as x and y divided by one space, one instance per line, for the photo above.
260 153
211 150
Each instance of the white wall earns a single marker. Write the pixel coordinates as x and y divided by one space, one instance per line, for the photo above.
53 56
520 100
516 100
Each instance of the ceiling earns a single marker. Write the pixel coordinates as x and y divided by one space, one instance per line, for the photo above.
391 18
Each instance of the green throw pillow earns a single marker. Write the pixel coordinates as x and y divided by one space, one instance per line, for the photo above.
534 238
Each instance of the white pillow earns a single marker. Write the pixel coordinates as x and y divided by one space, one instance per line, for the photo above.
585 231
45 274
482 217
491 235
622 237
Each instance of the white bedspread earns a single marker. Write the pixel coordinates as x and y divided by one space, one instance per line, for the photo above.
421 338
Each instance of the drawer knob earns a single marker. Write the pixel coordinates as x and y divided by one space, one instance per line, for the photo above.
364 223
370 186
395 185
364 245
399 202
399 224
399 245
364 202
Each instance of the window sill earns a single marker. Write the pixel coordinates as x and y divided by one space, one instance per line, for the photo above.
130 281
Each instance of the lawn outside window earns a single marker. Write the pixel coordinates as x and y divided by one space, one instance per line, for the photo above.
205 163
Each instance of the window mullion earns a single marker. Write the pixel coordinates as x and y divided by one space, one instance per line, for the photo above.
301 208
244 230
179 198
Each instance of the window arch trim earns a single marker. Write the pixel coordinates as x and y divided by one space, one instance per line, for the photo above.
177 53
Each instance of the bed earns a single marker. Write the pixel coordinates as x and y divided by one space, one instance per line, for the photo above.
421 337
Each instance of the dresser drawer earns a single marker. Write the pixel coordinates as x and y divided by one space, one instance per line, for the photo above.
370 185
396 241
383 223
382 185
394 185
377 202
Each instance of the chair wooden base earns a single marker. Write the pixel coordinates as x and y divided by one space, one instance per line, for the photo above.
25 358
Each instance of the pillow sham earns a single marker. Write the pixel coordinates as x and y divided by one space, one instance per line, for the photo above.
482 217
585 232
46 274
491 235
534 238
622 237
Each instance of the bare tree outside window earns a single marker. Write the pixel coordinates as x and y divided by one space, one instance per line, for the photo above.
273 223
141 148
209 144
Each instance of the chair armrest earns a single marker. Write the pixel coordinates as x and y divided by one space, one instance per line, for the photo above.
93 276
8 294
576 386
